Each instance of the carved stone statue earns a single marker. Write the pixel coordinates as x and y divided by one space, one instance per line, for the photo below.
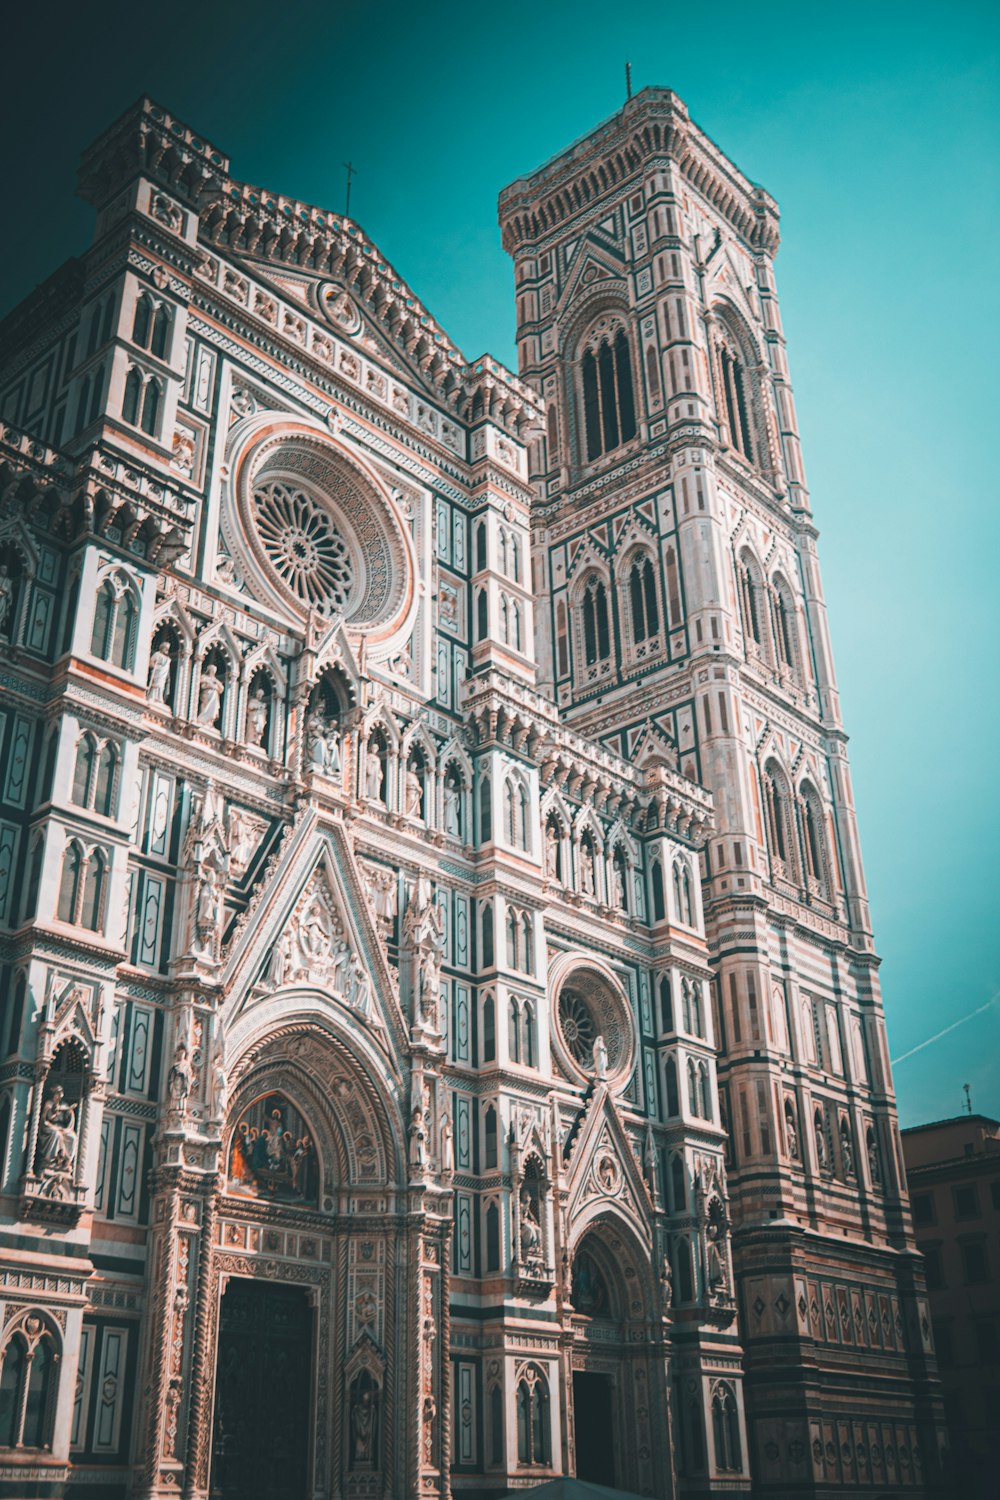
414 793
373 773
208 911
316 742
6 595
667 1282
59 1136
257 718
718 1279
451 810
531 1231
791 1135
587 871
418 1142
210 691
220 1088
332 749
362 1426
600 1057
551 852
447 1145
159 674
179 1079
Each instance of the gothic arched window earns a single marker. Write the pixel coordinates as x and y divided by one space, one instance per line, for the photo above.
643 607
116 620
783 623
596 630
813 844
670 1077
27 1389
751 590
777 816
132 397
142 322
608 398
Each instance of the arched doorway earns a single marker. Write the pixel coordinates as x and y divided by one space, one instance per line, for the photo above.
305 1292
613 1371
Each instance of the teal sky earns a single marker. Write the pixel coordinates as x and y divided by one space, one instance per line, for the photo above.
877 128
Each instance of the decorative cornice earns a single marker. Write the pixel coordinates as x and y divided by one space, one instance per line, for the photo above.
653 125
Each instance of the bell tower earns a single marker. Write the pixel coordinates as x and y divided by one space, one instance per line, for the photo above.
681 622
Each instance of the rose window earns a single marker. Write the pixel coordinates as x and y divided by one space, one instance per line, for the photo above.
579 1028
304 546
592 1010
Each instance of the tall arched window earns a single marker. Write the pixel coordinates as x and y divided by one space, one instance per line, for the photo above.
83 775
514 1031
682 893
94 885
132 397
69 886
596 631
751 588
656 879
782 621
27 1389
678 1185
490 1138
150 407
161 328
666 1004
533 1446
492 1236
489 1029
643 606
694 1096
515 795
777 816
813 843
116 620
726 1429
670 1077
737 395
608 398
142 322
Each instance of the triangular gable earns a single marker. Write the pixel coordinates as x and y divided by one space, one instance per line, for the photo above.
311 928
597 261
603 1172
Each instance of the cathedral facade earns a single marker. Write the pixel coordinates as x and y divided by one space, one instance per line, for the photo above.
440 1036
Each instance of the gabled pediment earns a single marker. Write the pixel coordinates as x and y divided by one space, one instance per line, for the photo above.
603 1173
311 928
594 262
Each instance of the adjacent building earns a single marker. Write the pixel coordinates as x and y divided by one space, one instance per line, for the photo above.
953 1171
440 1037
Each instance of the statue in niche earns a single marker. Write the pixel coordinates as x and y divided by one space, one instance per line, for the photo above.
210 691
6 597
447 1145
332 748
158 683
667 1282
587 870
451 809
821 1155
617 889
531 1229
551 852
873 1166
846 1152
208 910
358 990
413 794
718 1276
257 711
316 741
363 1421
179 1080
59 1140
373 773
418 1142
791 1134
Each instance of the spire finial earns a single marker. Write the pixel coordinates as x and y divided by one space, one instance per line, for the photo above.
628 80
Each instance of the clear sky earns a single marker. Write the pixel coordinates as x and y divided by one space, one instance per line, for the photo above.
876 127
